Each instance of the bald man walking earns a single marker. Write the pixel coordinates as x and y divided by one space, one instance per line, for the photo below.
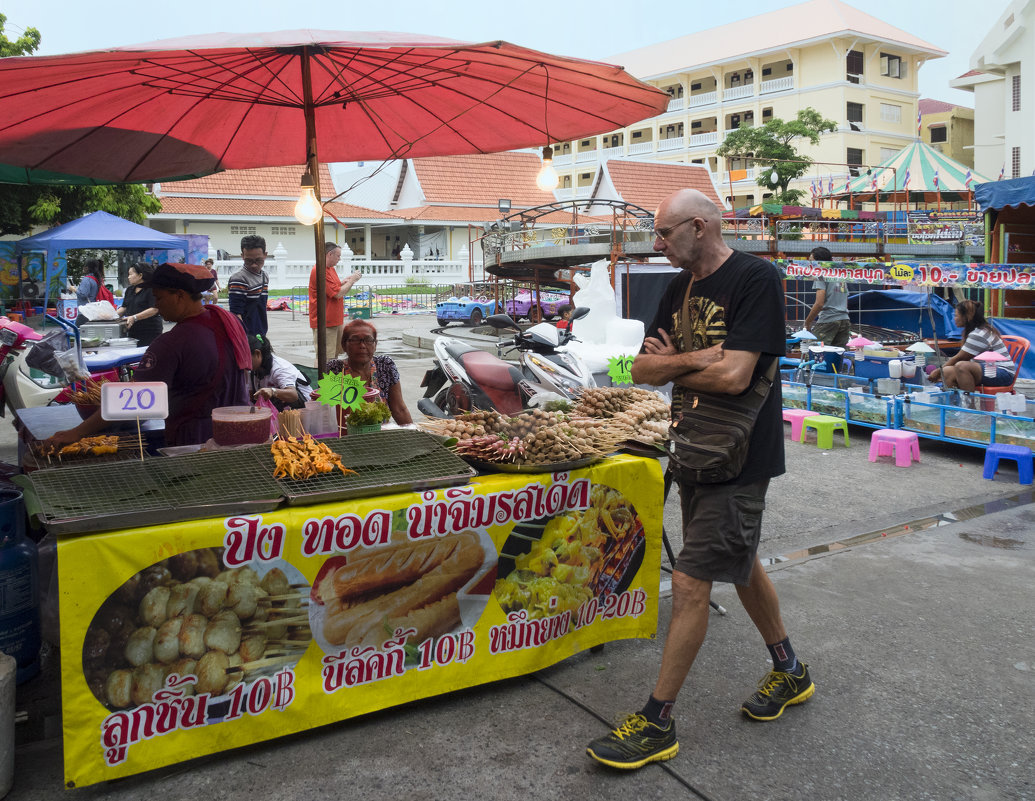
719 327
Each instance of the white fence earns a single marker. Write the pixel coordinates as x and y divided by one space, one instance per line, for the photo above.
285 274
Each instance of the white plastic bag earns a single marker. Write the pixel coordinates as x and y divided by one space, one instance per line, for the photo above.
98 310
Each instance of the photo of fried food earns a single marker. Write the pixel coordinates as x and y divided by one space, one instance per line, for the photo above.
188 615
557 565
407 585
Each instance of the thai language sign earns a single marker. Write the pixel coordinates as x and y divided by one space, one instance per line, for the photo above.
189 639
914 274
928 225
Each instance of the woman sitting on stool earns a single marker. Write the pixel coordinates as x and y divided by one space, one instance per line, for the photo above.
961 371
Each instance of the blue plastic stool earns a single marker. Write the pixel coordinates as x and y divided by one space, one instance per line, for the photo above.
1017 453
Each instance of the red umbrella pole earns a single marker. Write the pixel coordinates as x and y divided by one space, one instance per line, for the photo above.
313 165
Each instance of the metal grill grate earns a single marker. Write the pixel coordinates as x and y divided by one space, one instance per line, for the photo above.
398 460
78 499
217 477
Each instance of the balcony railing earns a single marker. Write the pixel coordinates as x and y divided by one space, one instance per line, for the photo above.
611 152
703 99
586 155
564 158
641 147
672 143
701 139
777 85
565 193
737 92
676 104
583 191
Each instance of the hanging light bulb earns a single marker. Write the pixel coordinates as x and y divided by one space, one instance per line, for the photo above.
774 177
547 179
308 209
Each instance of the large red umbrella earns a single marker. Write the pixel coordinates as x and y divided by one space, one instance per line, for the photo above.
196 105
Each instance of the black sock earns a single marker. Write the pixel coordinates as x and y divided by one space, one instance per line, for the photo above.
783 656
658 712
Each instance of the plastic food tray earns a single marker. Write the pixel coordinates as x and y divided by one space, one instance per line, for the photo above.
399 460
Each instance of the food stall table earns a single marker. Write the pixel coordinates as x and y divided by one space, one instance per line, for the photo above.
193 637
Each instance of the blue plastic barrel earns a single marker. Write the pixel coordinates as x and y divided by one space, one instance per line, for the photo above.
19 588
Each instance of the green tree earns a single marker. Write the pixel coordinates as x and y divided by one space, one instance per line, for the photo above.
22 46
22 207
771 148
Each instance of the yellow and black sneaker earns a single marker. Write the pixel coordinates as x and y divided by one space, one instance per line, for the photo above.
635 743
777 691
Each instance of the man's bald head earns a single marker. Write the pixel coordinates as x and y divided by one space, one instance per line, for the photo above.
691 203
689 232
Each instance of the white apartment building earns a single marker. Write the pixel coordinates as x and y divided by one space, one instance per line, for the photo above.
851 67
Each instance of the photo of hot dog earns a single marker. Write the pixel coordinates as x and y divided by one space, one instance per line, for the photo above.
411 585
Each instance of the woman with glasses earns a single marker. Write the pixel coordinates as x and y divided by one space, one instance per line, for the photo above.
359 339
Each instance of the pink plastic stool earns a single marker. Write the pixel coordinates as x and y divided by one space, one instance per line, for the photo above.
905 445
796 416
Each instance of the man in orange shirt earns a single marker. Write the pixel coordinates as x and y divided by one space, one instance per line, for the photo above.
334 313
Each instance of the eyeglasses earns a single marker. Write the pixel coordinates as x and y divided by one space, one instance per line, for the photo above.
368 341
255 262
662 233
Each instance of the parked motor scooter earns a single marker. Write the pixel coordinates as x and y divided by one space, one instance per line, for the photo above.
22 386
466 378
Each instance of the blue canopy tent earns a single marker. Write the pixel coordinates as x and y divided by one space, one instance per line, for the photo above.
904 311
97 231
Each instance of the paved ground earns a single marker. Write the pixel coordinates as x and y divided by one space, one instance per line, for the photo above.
908 590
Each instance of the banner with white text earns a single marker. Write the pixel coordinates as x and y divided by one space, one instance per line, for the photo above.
913 274
189 639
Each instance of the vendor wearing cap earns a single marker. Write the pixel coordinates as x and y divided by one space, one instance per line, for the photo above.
204 359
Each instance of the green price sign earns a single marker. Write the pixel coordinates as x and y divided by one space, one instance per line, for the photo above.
340 389
619 369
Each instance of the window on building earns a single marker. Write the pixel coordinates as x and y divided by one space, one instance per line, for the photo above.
892 66
767 71
695 86
1016 162
767 113
1015 85
854 159
855 116
887 152
889 112
695 124
854 66
242 230
790 66
282 230
637 134
939 133
584 143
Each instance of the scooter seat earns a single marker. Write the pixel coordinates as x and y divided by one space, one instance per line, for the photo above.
490 372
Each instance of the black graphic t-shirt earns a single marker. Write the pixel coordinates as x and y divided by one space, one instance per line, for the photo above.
741 306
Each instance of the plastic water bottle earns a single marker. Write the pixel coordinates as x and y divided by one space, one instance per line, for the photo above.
895 368
19 588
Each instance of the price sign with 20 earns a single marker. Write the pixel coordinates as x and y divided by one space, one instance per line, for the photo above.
138 400
341 389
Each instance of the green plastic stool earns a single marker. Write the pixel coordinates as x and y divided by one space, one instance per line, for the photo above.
825 426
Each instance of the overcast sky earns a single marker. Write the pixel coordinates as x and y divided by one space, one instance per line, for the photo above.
595 29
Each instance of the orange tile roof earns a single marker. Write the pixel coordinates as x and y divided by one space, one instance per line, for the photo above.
968 74
929 106
245 207
264 182
646 184
482 179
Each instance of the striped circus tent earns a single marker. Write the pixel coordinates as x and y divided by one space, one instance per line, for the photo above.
919 170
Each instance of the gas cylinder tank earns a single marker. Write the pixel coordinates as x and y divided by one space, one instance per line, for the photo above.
19 588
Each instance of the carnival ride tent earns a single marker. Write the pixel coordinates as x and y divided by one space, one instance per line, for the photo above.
96 231
932 177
